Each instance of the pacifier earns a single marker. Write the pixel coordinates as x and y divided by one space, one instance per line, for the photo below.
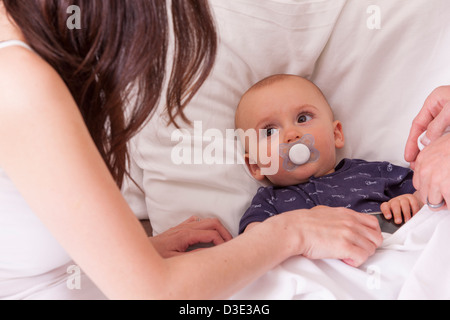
421 143
299 153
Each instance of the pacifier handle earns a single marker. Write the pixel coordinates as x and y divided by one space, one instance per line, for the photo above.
421 145
419 141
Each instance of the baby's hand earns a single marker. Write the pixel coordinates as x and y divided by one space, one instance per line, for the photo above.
404 206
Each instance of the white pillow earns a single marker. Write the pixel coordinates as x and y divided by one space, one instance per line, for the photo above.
376 80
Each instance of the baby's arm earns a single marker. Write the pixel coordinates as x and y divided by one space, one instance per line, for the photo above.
262 208
402 207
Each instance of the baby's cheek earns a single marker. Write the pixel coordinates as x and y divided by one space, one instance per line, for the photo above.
280 179
269 155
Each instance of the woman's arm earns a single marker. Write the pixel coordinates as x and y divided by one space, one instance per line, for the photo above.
47 152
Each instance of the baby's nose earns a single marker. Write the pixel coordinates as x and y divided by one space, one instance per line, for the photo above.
292 136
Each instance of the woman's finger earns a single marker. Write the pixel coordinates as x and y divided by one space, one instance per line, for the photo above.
205 236
434 196
419 126
432 173
362 242
435 103
356 257
197 223
445 189
440 124
367 220
191 219
368 232
412 149
213 224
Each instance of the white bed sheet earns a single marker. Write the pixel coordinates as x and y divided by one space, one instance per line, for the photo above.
413 263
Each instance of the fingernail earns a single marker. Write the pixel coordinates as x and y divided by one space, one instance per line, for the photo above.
425 140
350 262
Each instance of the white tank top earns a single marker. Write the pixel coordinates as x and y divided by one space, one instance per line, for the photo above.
32 263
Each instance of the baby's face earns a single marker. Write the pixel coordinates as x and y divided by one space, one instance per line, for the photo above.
283 112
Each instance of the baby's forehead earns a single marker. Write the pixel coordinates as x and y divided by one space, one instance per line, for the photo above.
287 82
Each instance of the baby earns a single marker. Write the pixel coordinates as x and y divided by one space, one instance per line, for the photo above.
284 109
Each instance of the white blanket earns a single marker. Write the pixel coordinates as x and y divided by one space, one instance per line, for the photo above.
413 263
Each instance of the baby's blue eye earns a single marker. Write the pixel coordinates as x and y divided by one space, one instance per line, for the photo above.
304 118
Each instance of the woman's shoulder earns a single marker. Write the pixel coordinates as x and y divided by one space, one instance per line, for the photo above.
25 77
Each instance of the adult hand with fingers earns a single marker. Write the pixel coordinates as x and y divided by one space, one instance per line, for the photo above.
193 231
432 164
432 173
434 119
333 233
338 233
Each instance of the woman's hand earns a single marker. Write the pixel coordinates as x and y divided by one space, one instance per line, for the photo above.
432 172
177 240
433 118
432 165
336 233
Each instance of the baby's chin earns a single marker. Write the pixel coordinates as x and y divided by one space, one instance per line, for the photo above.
300 175
279 180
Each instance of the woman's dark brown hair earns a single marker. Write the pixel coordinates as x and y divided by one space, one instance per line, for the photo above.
119 58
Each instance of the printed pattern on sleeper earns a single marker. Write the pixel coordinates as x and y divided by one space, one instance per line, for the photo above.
356 184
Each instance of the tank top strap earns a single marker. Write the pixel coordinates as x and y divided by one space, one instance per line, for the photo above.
11 43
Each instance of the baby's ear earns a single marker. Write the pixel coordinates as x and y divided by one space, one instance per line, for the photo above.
339 138
254 169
